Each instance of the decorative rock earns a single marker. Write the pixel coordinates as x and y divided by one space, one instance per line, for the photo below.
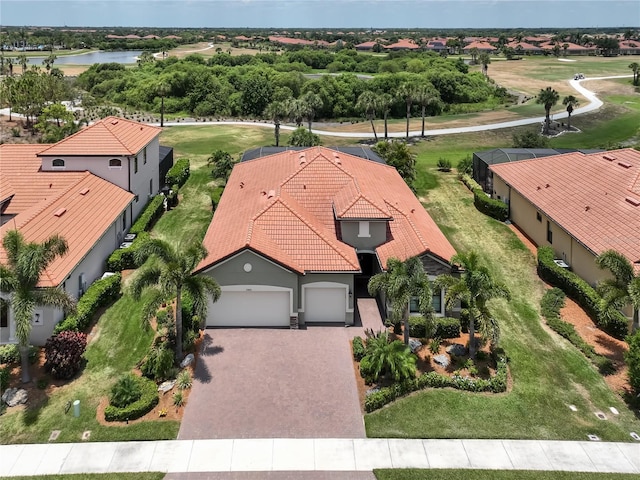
188 360
414 345
442 359
164 387
457 349
15 396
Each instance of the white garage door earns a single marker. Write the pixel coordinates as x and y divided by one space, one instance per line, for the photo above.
250 309
325 304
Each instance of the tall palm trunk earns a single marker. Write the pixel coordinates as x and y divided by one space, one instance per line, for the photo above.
635 324
405 323
310 122
179 323
408 117
162 111
386 131
423 111
373 127
472 337
277 132
24 363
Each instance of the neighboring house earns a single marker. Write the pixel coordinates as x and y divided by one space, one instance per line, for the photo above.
362 152
581 205
629 47
123 152
524 47
403 44
480 46
88 188
298 234
483 160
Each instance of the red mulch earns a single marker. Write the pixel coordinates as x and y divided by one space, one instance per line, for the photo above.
604 344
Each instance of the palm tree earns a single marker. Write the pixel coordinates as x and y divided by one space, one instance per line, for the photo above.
385 102
425 95
10 64
311 103
571 102
48 62
276 111
162 89
474 55
26 261
547 97
23 60
621 290
390 357
294 111
406 92
399 283
475 287
485 59
168 273
368 103
635 67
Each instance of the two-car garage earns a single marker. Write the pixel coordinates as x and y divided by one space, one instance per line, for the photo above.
269 306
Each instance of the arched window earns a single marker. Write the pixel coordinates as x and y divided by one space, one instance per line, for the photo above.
115 162
57 163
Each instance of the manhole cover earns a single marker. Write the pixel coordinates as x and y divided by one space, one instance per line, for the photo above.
54 435
593 438
601 415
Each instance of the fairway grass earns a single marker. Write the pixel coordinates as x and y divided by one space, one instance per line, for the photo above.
547 373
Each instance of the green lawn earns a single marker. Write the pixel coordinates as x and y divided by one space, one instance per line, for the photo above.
118 344
97 476
435 474
547 373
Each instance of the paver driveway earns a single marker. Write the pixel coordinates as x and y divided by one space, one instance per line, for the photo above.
272 383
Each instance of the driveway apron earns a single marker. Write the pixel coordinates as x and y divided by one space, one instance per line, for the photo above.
273 383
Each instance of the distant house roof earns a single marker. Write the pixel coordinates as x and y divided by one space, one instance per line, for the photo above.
110 136
480 46
284 207
362 152
594 197
527 47
172 37
365 45
403 44
296 41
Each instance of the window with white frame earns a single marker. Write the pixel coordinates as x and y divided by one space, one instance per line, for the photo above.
115 163
363 229
57 163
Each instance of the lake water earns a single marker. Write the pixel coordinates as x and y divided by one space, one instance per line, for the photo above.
125 57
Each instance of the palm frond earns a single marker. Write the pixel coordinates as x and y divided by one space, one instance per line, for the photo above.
13 241
201 288
634 292
54 246
146 276
55 297
8 281
158 248
617 264
151 305
23 307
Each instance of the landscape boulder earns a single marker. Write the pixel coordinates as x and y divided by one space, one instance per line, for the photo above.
442 359
457 349
164 387
414 345
188 360
15 396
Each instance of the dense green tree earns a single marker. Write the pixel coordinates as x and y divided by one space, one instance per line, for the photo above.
621 290
19 278
397 154
474 288
367 104
301 137
399 283
167 271
547 97
484 59
529 139
222 163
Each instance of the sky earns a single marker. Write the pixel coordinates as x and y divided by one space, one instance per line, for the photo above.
376 14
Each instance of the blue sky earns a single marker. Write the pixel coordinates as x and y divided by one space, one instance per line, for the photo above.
324 13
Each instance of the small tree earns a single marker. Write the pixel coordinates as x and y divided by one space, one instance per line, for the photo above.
398 155
570 102
302 137
635 67
222 164
367 104
547 97
529 139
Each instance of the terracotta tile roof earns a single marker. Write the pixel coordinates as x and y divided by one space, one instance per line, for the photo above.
21 177
593 197
109 136
81 213
284 207
527 47
480 46
403 43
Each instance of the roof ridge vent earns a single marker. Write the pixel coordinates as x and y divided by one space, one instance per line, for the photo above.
609 157
60 212
84 191
625 164
271 194
633 201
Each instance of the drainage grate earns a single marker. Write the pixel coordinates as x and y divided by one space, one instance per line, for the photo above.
593 438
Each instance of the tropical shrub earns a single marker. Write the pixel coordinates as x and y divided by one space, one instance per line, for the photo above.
152 211
184 381
367 371
465 166
358 348
101 293
485 204
444 164
215 197
417 326
63 353
148 399
393 358
614 322
4 378
189 339
178 173
10 353
125 391
632 357
158 364
301 137
434 345
178 399
447 327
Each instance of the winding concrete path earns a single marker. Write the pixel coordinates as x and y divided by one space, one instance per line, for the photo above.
594 104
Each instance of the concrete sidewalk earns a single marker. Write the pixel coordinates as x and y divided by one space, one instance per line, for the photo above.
325 455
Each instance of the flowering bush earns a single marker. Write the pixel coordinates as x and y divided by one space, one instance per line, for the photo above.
63 353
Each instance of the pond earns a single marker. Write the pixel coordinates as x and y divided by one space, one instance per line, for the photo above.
125 57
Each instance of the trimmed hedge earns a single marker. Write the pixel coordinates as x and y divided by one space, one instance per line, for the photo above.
632 357
4 378
102 292
137 409
358 348
447 327
496 384
124 258
179 173
152 211
551 303
485 204
417 327
581 292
